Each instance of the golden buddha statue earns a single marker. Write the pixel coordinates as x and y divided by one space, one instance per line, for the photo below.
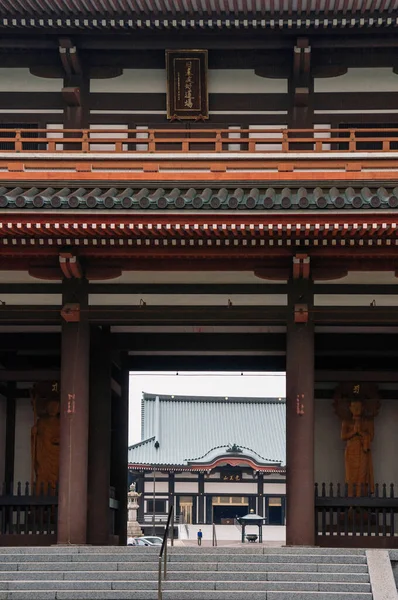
357 410
45 438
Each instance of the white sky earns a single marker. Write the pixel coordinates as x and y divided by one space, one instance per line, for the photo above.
271 385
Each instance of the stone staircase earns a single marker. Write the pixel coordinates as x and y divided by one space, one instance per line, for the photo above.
223 573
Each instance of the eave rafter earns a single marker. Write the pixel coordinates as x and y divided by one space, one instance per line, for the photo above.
185 233
116 14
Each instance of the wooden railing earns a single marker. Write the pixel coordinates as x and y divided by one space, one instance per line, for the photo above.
341 518
256 140
27 512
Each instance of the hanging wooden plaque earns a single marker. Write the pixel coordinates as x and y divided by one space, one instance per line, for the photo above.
187 96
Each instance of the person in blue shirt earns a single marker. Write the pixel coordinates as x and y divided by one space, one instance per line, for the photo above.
200 535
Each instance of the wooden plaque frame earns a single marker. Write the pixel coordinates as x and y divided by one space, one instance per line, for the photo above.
187 95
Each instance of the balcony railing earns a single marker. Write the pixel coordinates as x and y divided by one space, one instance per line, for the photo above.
203 140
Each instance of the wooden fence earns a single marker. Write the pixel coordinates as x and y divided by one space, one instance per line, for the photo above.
28 516
362 519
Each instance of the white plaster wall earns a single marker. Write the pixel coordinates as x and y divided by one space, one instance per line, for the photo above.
161 487
23 425
186 474
21 80
3 406
220 81
329 448
239 81
133 81
188 487
233 489
360 80
274 488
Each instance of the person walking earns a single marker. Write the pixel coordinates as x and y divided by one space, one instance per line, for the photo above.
200 535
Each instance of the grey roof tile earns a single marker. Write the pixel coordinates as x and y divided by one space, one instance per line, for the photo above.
181 430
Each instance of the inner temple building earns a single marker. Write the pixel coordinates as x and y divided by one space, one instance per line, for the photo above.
200 186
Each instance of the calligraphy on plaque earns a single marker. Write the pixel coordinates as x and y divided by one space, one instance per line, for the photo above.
187 96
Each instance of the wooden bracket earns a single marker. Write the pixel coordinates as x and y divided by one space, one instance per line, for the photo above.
301 266
71 96
71 313
70 266
69 57
301 313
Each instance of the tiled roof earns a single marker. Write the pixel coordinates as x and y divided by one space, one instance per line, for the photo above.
190 13
198 430
212 199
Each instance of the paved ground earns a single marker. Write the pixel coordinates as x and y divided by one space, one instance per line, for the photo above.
226 543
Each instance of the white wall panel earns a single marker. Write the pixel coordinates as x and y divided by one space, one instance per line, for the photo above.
133 81
360 80
274 488
21 80
161 487
186 488
234 489
243 81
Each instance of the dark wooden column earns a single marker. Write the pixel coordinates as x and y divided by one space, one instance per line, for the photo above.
75 348
171 490
201 498
9 455
301 93
99 442
260 494
119 467
140 489
300 408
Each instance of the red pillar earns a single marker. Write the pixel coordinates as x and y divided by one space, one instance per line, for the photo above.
75 348
300 524
99 444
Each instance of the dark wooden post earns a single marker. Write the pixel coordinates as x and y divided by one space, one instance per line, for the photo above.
300 408
141 489
119 467
301 94
201 498
9 454
72 508
99 442
260 494
171 489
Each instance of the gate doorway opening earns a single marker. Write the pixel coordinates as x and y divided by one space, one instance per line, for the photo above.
227 509
198 442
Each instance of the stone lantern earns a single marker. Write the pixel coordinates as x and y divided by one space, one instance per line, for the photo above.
133 528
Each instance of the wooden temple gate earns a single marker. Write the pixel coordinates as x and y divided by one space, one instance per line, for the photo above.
248 224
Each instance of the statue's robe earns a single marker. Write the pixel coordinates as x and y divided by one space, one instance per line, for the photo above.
358 456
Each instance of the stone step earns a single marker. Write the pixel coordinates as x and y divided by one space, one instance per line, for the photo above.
182 586
81 558
274 558
186 566
249 548
182 595
184 576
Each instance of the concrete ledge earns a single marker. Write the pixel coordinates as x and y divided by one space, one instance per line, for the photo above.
381 575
